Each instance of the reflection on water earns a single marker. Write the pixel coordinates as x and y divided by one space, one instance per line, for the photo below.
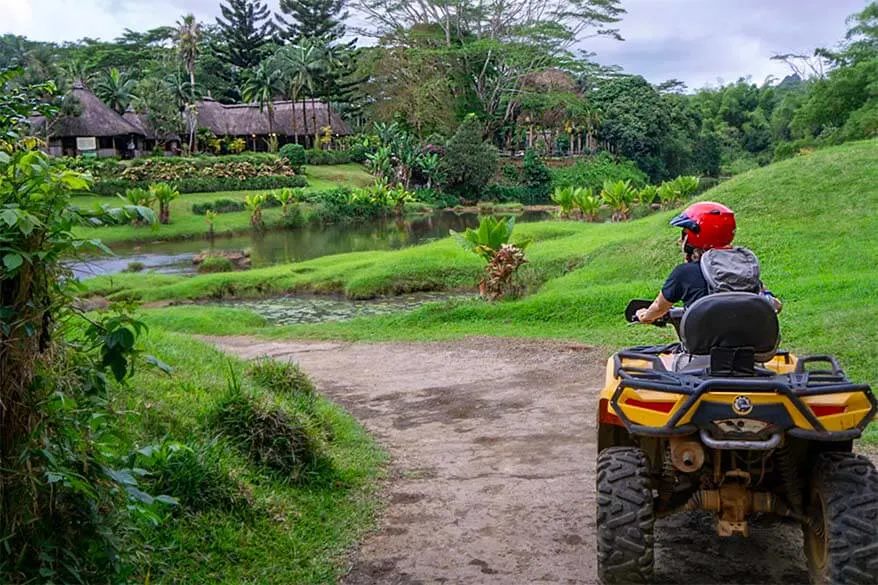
276 247
300 309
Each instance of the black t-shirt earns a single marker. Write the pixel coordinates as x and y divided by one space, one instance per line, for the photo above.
686 283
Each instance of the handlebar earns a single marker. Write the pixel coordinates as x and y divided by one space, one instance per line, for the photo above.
672 317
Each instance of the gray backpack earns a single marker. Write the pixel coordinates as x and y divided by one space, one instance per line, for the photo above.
731 270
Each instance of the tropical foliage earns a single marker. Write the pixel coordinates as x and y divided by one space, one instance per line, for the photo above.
491 242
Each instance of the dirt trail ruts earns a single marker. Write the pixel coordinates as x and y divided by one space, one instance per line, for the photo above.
492 475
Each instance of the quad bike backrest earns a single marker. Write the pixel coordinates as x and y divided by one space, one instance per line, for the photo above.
734 328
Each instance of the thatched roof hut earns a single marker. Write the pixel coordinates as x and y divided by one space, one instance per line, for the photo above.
143 124
245 120
96 119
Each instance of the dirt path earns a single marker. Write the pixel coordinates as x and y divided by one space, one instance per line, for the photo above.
492 478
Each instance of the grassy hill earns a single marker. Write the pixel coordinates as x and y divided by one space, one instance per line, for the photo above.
811 220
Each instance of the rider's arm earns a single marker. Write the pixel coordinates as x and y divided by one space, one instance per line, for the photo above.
658 309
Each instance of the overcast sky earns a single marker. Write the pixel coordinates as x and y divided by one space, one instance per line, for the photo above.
701 42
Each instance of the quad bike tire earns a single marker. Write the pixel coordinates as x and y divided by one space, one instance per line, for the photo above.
625 517
841 542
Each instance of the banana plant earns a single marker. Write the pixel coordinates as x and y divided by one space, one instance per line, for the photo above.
586 203
488 238
563 198
491 243
287 197
254 204
164 194
381 162
618 195
687 186
397 198
646 196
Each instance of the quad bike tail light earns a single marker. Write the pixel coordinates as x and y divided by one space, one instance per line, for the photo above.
821 410
657 406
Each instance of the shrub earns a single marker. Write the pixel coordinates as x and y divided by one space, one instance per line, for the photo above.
593 171
286 377
218 206
358 153
194 476
436 198
269 436
214 264
295 156
534 172
204 185
469 161
342 204
510 172
135 267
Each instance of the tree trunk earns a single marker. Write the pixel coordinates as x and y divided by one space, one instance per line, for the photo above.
316 125
293 99
305 121
192 118
270 118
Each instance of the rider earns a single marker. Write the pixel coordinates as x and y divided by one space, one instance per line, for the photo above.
706 226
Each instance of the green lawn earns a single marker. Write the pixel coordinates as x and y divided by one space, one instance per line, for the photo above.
239 522
806 219
185 224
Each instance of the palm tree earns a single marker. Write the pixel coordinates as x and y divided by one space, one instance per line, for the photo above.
187 40
299 65
116 90
261 88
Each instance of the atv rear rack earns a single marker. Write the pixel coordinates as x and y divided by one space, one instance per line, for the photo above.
694 384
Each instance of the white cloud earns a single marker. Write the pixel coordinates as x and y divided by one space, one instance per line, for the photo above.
698 41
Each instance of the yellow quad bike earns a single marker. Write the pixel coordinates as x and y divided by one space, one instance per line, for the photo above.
725 422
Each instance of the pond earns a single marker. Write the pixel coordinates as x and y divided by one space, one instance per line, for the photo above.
283 246
300 309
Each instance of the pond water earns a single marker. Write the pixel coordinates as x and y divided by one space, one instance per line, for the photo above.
283 246
299 309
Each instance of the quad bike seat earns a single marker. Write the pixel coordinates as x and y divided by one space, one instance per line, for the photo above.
735 329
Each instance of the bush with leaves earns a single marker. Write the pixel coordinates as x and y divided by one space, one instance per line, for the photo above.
295 156
469 162
71 507
534 172
491 242
594 171
114 187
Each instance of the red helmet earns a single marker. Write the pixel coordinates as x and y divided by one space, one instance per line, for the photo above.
707 225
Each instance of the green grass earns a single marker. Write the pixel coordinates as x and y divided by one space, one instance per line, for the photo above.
185 224
811 220
282 532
